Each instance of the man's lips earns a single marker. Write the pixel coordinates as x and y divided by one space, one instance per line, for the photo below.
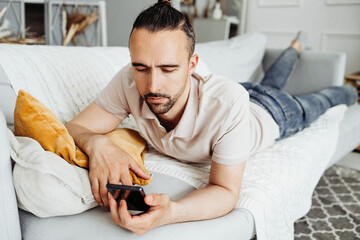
155 99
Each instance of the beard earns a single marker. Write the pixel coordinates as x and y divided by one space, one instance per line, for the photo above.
162 108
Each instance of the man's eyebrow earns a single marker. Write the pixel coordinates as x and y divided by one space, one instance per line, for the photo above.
169 65
136 64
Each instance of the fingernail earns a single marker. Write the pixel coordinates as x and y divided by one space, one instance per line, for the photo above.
149 198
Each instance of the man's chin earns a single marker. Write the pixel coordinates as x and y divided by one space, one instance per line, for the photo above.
158 108
159 111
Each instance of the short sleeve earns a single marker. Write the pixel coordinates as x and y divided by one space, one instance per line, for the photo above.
113 98
233 147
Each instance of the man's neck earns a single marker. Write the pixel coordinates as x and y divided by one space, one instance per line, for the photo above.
168 125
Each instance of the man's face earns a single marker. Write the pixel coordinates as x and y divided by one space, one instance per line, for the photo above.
161 67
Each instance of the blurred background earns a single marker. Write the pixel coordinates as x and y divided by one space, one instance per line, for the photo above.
332 25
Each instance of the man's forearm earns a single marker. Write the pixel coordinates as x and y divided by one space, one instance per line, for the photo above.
91 122
206 203
84 138
80 134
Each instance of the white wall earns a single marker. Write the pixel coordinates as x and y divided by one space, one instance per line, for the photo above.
332 25
120 16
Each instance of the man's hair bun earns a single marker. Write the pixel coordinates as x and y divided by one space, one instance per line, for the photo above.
167 2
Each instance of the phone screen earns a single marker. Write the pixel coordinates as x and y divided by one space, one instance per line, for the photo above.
133 195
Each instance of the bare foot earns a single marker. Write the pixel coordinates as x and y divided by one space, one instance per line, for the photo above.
296 45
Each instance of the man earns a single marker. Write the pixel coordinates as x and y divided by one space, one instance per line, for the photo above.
182 115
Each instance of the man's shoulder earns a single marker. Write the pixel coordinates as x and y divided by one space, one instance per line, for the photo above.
220 88
124 74
122 84
124 78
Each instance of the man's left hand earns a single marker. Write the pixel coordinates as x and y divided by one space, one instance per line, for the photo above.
159 213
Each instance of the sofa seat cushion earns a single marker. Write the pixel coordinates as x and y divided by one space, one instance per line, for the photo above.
97 224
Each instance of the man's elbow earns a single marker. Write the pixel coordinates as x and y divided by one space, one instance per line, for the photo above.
234 199
231 195
234 193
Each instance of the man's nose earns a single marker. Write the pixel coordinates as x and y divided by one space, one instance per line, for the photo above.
153 84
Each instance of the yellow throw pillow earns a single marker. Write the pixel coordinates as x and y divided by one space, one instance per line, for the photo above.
32 119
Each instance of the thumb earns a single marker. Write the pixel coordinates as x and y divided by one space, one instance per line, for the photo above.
138 170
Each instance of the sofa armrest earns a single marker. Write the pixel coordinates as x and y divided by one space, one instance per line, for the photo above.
9 215
314 71
8 97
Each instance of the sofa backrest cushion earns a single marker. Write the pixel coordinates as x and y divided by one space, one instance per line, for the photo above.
237 58
67 79
314 71
64 79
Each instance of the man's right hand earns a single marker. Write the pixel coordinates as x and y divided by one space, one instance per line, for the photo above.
109 164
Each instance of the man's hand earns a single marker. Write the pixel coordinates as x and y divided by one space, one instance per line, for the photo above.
108 164
160 213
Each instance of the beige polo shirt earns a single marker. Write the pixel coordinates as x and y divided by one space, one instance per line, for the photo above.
219 122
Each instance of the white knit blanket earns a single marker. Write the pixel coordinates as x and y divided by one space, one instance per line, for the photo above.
278 182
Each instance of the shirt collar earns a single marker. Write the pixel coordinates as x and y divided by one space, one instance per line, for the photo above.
146 112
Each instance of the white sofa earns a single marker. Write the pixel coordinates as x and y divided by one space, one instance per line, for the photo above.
314 71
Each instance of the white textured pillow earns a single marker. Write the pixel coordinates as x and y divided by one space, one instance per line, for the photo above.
45 184
237 58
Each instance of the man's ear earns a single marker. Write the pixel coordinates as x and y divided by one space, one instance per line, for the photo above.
193 63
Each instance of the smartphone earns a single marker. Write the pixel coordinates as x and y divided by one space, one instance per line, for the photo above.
133 195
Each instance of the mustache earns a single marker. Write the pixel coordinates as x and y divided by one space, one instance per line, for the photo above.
156 95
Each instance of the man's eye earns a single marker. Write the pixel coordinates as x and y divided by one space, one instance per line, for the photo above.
167 70
141 69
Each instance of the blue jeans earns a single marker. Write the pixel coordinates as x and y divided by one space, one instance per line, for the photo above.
294 113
